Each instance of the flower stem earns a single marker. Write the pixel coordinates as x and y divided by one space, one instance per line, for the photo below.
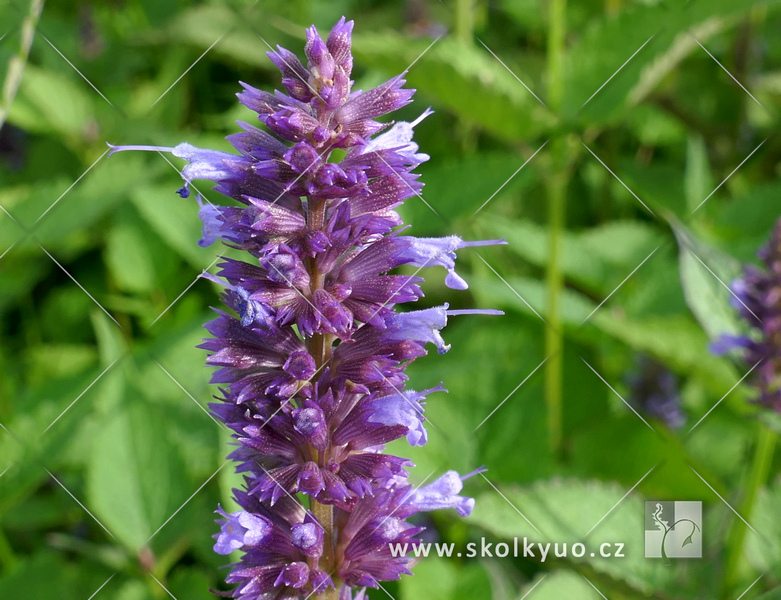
465 21
320 346
760 468
557 197
324 513
16 65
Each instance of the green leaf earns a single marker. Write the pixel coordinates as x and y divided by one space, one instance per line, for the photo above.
190 583
706 274
175 220
746 221
202 25
53 103
435 577
457 189
36 410
44 575
57 360
560 584
73 213
465 79
764 552
134 477
699 179
130 253
528 296
135 590
655 36
676 341
597 258
564 511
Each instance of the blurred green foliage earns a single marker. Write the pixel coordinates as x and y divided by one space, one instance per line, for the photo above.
102 393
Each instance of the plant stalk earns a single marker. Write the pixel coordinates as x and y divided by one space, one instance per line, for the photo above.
760 469
557 198
465 21
16 65
319 346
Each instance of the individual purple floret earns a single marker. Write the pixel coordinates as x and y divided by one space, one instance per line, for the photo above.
757 297
312 352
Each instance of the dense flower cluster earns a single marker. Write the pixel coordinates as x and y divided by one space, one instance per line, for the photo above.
758 300
312 354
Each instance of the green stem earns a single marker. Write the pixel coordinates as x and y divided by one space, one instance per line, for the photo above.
760 469
465 21
16 65
325 516
554 342
320 346
557 206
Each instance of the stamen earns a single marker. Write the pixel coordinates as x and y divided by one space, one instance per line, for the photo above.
477 471
143 148
426 113
501 241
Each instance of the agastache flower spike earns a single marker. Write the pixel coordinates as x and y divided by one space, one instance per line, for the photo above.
757 298
311 356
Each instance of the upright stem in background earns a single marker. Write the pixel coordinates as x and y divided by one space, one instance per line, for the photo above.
16 65
464 29
557 196
760 468
465 21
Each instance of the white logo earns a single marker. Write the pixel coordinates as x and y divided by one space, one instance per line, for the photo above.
673 529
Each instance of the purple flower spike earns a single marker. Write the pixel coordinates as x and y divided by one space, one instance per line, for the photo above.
312 353
757 298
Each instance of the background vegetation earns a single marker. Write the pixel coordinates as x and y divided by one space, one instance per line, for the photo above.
104 431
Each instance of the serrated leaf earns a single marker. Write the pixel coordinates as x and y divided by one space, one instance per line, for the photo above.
465 79
564 511
631 53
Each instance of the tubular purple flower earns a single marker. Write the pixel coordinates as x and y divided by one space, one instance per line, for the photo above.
312 353
443 493
429 252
